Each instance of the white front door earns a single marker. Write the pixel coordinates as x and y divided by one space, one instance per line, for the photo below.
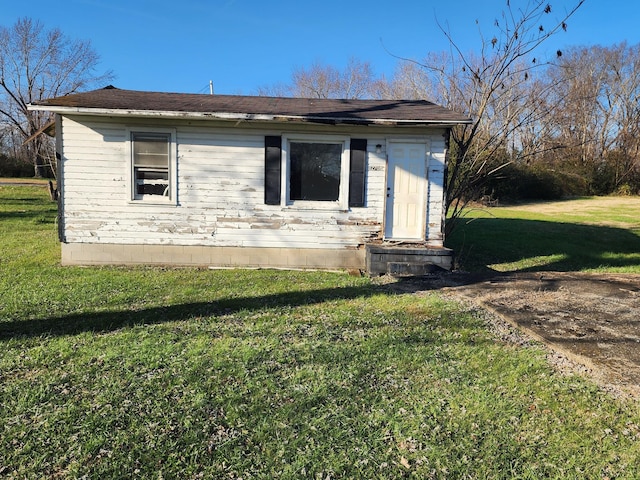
406 191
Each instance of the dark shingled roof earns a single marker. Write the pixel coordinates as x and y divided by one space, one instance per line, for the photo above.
252 107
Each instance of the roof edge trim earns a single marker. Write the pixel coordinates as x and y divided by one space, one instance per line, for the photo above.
232 116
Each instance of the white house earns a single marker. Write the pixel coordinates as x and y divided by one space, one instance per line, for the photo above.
239 181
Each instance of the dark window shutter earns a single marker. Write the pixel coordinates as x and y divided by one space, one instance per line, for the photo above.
357 172
272 169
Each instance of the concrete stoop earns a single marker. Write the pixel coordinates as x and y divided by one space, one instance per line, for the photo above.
407 260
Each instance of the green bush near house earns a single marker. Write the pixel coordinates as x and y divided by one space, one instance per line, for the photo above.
183 373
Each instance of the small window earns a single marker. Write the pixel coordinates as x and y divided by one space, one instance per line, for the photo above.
315 171
151 165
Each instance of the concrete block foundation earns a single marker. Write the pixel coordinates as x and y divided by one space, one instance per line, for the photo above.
374 259
213 257
398 260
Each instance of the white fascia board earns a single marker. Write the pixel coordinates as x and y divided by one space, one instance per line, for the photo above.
113 112
118 112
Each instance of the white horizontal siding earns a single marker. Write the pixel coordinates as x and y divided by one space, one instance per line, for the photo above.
376 178
95 174
220 191
220 172
435 192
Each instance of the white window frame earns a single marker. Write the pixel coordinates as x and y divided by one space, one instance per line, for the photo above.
172 198
343 193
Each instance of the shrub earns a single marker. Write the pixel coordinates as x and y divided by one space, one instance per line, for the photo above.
526 182
14 167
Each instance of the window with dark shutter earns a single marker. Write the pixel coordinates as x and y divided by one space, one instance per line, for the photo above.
357 172
272 169
316 173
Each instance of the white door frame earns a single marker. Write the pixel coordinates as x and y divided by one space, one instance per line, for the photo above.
406 190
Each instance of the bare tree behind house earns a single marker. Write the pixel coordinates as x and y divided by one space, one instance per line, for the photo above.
492 86
502 85
36 63
409 82
325 81
596 122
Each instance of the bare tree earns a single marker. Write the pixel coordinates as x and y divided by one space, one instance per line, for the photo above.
325 81
492 87
36 63
502 86
597 119
409 82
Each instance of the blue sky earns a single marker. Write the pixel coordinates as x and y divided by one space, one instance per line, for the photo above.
178 46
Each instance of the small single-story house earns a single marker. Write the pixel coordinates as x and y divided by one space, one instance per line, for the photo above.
247 181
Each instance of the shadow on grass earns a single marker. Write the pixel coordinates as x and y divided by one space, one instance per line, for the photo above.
480 243
36 216
38 202
102 322
27 208
532 245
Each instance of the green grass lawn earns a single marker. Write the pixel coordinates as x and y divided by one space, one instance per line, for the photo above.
588 234
186 373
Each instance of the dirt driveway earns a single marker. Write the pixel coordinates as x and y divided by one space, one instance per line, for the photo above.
592 321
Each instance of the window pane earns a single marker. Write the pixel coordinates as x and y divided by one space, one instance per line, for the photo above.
151 150
152 182
152 175
151 161
315 171
152 189
158 146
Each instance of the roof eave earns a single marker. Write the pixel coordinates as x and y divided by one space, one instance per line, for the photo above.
237 117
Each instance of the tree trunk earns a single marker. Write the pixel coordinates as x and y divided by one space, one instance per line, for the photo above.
41 163
53 192
39 167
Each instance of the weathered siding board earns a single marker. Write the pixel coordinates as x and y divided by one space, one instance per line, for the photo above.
220 172
376 178
220 191
95 175
435 192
